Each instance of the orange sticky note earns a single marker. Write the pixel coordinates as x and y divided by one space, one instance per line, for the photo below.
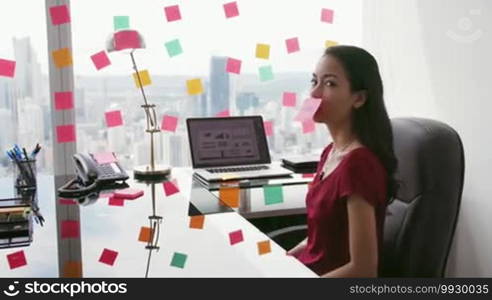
62 58
144 78
145 235
264 247
229 196
72 269
194 86
196 222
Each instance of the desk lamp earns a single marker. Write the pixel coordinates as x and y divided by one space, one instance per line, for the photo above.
128 41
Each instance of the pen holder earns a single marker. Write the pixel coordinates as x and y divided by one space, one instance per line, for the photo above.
25 179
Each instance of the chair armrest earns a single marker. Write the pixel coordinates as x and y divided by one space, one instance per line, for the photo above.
286 230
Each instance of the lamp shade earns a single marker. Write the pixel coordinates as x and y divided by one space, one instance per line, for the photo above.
125 40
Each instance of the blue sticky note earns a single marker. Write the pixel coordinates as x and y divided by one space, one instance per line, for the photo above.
121 22
173 48
179 260
273 194
266 73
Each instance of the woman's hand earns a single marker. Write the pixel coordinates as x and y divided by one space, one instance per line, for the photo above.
298 249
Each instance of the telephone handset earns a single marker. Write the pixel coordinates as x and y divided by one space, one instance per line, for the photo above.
90 174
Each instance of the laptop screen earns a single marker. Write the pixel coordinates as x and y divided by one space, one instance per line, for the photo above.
216 142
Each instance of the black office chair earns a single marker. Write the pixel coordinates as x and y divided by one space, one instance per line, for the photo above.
420 222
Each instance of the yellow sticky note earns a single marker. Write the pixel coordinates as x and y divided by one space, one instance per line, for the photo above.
263 51
194 86
228 176
229 196
62 58
329 43
144 77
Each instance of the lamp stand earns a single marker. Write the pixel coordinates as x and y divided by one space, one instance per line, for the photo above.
151 170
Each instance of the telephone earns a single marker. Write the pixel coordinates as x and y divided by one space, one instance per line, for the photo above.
90 175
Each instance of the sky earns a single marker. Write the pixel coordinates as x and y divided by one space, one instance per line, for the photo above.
203 31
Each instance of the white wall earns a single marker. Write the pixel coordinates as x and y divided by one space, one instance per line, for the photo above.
436 61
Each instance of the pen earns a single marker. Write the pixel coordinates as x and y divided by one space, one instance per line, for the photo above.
33 178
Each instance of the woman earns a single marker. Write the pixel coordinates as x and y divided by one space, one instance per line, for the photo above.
347 199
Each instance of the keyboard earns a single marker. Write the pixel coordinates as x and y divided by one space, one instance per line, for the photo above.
238 169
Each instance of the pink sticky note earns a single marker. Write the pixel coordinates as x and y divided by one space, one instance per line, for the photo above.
16 259
65 134
308 109
172 13
126 39
268 125
236 237
169 123
100 60
59 14
105 195
308 175
64 201
223 114
327 15
115 201
231 10
63 100
128 194
7 68
292 45
308 126
70 229
104 157
108 257
170 188
289 99
113 118
233 65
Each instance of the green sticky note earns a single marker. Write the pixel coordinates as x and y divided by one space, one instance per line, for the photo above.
273 194
121 22
179 260
266 73
174 48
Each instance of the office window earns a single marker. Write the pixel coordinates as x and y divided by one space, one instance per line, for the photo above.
24 89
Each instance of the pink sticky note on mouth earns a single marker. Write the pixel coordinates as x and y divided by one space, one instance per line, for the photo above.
100 60
113 118
65 134
126 39
108 257
231 10
268 125
7 68
172 13
169 123
59 14
170 187
308 126
105 157
63 100
236 237
16 259
70 229
308 109
233 66
289 99
292 45
327 15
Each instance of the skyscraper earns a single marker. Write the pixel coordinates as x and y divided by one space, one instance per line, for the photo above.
220 88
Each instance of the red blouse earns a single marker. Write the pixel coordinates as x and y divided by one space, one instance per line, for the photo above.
360 172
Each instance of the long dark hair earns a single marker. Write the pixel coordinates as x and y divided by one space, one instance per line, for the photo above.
370 121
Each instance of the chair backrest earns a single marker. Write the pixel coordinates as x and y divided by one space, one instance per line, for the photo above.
421 221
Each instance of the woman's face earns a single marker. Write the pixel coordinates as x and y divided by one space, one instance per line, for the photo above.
331 85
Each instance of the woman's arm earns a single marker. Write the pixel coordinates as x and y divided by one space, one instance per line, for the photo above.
363 243
298 249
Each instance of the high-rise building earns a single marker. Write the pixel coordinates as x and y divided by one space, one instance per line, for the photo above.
28 79
220 87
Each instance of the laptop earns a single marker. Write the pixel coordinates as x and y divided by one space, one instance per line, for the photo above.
231 148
